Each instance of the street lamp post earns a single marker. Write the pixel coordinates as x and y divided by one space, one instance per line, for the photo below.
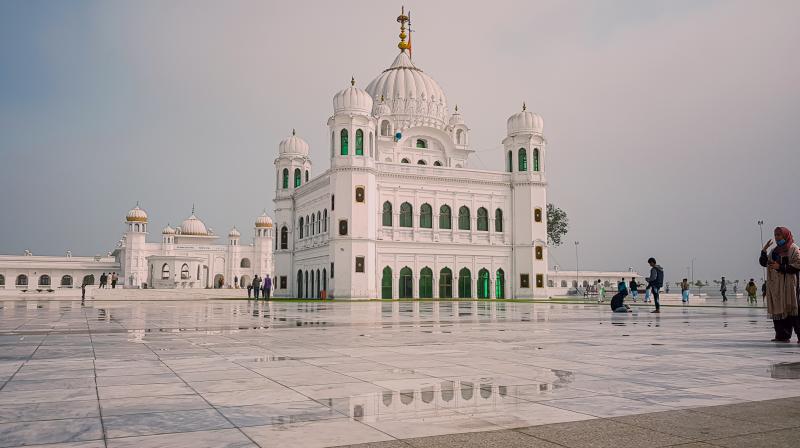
577 268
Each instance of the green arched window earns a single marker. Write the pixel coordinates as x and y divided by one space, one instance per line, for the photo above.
359 142
498 220
483 219
297 177
406 283
406 215
509 162
422 143
445 217
523 159
464 284
387 214
426 217
463 218
500 285
386 283
343 140
483 284
426 283
285 178
536 159
446 284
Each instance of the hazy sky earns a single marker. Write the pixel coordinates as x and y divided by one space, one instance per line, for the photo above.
672 125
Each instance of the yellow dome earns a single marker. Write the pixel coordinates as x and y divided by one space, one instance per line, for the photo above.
136 215
264 220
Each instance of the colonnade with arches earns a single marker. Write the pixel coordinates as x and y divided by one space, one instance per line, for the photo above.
446 283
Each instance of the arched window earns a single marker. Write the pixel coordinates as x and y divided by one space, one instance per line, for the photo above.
483 284
535 159
66 280
185 271
300 225
165 272
437 163
387 214
2 280
523 159
483 219
307 291
406 218
446 284
510 162
386 283
498 220
136 227
426 216
445 217
421 162
343 142
537 215
359 142
44 280
297 178
284 238
500 284
245 263
22 280
404 161
308 223
386 131
460 137
285 178
360 194
463 218
89 279
426 283
406 283
464 284
422 144
319 221
306 175
563 283
312 225
325 220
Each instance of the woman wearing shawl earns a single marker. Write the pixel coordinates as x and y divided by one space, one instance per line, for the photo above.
783 265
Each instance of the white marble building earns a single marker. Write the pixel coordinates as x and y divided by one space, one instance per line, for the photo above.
188 256
400 213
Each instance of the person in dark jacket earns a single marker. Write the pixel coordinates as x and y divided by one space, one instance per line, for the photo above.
267 287
655 281
634 287
723 288
256 286
617 301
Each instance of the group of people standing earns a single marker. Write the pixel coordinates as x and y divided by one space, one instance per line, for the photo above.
655 281
104 280
260 286
782 284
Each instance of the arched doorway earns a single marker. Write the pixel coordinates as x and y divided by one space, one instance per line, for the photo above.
464 284
299 284
446 284
426 283
245 281
219 281
406 283
325 281
319 286
88 279
483 284
500 285
386 283
311 292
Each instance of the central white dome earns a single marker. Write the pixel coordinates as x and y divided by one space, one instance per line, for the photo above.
412 95
193 226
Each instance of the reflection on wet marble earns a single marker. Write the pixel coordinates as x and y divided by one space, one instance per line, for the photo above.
237 374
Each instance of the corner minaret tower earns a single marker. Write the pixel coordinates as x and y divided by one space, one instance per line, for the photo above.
292 170
524 158
263 232
134 265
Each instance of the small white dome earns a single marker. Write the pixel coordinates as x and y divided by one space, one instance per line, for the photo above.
456 118
293 145
234 233
352 100
168 230
193 226
382 109
264 220
136 215
525 122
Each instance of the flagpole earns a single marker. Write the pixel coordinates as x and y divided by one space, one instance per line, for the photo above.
410 32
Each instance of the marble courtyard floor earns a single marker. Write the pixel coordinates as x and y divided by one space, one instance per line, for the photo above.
391 374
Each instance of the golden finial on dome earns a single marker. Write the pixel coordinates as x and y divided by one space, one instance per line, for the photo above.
402 19
352 80
524 107
293 132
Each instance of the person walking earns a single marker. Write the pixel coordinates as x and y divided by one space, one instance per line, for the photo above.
83 290
103 280
723 288
655 281
751 290
114 280
601 291
685 291
783 266
634 287
256 286
267 287
249 289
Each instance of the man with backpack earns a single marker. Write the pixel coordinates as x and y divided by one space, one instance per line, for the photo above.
655 281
